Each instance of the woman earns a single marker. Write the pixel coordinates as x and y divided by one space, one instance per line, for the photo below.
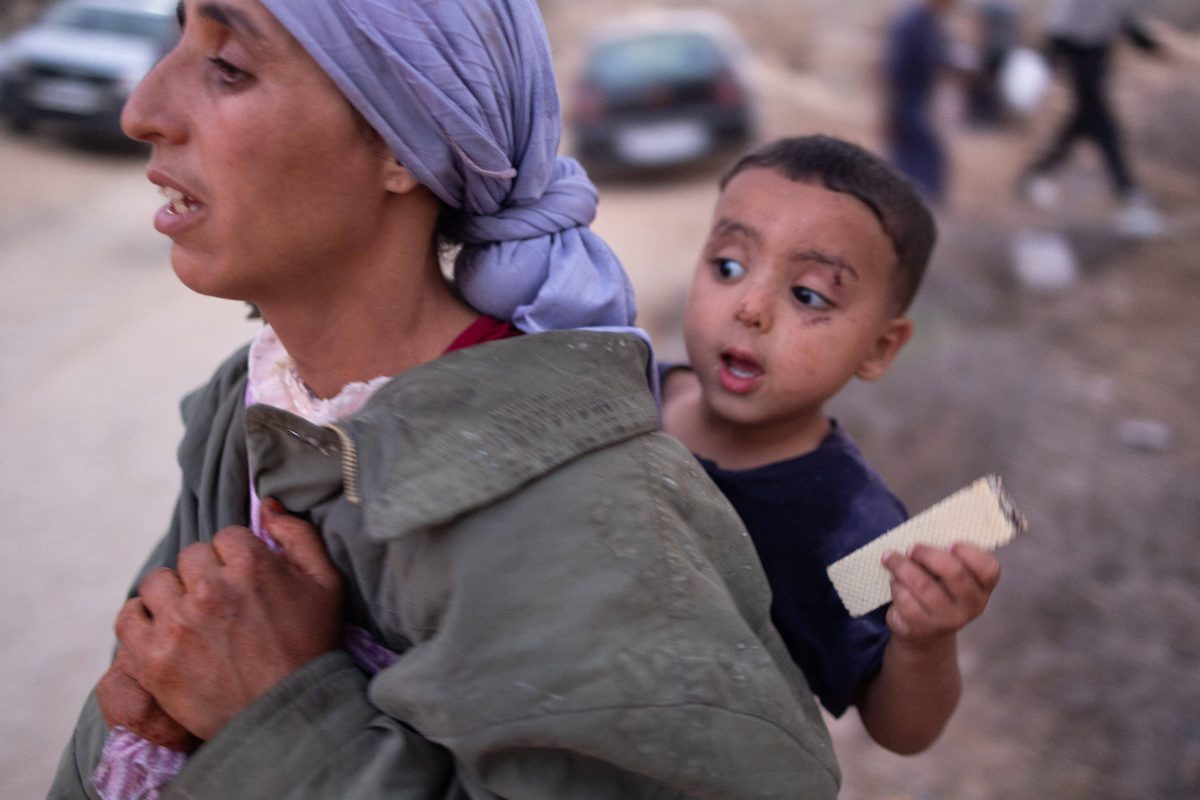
542 595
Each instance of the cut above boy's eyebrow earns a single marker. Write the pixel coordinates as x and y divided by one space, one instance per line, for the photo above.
727 227
819 256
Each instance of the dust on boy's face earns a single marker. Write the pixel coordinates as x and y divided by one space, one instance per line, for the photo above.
790 299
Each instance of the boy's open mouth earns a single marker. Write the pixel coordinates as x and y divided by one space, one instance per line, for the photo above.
741 366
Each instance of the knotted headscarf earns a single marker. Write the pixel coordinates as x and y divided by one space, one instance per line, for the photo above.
463 93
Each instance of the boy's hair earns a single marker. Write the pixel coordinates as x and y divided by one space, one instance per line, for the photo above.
841 166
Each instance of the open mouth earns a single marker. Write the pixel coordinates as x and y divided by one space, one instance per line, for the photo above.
740 366
177 201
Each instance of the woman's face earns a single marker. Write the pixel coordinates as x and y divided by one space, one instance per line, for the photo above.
274 186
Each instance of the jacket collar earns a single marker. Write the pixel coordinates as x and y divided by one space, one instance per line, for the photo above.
456 434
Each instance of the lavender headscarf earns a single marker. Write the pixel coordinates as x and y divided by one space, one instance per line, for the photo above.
463 93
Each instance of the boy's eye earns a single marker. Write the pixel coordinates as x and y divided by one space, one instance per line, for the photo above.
810 298
728 269
227 73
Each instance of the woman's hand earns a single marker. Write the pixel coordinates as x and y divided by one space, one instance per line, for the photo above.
936 592
207 640
124 702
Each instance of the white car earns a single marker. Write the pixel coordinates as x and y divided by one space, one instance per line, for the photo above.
79 62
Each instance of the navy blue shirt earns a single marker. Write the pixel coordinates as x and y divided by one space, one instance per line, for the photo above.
803 514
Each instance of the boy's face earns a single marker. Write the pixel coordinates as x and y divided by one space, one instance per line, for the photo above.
790 299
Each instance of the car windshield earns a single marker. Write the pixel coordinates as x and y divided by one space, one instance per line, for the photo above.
654 59
156 27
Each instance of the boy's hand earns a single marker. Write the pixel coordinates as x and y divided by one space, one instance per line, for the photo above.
936 592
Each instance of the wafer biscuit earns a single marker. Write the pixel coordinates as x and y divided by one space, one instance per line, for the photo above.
981 514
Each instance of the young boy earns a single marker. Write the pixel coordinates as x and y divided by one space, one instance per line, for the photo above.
816 250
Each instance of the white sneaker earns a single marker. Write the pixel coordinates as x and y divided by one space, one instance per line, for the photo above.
1044 262
1139 218
1040 192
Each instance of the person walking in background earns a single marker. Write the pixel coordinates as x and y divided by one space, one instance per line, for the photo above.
917 53
996 25
1081 34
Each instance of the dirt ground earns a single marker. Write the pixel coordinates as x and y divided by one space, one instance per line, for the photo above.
1082 678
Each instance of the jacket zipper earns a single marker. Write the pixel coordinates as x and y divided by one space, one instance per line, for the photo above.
349 463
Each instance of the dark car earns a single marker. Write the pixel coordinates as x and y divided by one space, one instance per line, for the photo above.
661 91
79 62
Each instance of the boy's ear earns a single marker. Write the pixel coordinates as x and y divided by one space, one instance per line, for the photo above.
895 334
396 177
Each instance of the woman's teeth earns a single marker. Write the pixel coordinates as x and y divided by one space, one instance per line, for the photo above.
177 201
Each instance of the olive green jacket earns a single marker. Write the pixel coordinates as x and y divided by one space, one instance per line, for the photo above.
580 613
